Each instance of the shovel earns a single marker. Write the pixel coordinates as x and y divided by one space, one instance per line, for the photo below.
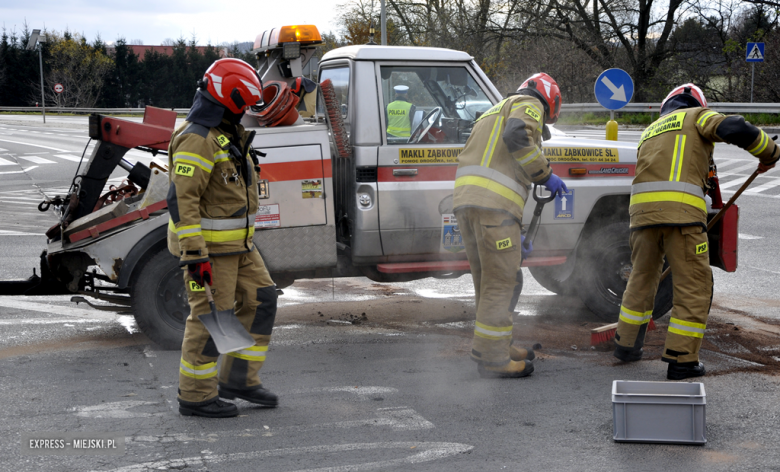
227 332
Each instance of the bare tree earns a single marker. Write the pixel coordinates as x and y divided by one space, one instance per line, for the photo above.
79 68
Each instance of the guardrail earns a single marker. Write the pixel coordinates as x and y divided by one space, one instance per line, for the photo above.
569 107
107 111
656 107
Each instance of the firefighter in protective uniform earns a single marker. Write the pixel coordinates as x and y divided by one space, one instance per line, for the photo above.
669 218
501 159
400 113
212 200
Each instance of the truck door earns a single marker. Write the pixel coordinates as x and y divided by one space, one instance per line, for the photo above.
427 114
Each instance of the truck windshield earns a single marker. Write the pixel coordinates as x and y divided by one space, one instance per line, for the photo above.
449 94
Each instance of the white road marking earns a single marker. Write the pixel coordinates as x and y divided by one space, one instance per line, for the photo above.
68 157
13 172
4 162
771 184
749 236
738 181
430 293
364 393
423 452
45 321
5 232
765 270
750 165
115 410
34 145
36 159
62 310
398 419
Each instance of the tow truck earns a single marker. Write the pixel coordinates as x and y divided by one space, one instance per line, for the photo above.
340 197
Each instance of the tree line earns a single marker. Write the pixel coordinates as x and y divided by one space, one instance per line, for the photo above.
94 74
661 44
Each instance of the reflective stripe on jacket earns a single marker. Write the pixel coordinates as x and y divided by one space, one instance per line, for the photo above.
673 162
212 211
399 118
502 157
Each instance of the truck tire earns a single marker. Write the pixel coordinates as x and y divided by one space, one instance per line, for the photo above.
160 299
549 278
603 267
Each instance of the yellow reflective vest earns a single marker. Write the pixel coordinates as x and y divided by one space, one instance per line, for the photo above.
673 162
502 157
212 209
399 118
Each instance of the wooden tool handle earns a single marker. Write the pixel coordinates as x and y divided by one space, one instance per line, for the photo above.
208 292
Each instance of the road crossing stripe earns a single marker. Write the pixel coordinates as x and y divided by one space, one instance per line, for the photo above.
4 162
771 184
751 165
68 157
34 145
738 181
36 159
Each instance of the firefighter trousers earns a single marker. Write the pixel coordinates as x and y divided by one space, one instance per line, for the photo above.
241 282
686 249
492 241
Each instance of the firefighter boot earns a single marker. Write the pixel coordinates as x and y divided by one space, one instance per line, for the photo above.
214 408
628 355
685 370
510 370
257 395
520 354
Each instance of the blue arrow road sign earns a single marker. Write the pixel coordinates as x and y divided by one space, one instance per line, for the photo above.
614 89
754 52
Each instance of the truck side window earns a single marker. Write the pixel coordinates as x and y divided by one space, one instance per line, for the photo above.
410 93
340 78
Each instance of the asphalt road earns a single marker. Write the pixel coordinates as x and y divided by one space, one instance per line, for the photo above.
371 376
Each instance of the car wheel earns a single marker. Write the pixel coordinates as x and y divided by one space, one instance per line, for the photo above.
160 299
554 278
603 268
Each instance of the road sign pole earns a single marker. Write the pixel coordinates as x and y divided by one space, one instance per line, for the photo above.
43 97
752 77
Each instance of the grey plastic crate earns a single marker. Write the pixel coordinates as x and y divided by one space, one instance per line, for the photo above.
659 412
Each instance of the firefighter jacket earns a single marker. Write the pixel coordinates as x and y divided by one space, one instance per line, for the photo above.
673 163
213 195
502 157
399 118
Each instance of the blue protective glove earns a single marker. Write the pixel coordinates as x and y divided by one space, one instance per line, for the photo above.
555 185
525 252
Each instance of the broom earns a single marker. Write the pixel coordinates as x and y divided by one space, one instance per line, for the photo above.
606 333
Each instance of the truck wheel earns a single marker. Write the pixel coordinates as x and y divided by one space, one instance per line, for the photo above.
549 278
603 268
160 299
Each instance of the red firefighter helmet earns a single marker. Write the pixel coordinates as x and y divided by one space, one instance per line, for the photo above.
233 83
690 90
548 91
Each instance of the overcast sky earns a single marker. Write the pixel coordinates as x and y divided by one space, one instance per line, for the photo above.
153 21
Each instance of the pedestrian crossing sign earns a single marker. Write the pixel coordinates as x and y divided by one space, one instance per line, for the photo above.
755 52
